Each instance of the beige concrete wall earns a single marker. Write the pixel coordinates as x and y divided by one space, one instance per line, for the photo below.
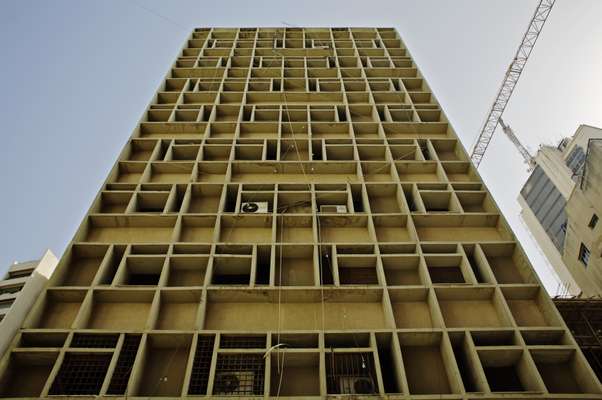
584 202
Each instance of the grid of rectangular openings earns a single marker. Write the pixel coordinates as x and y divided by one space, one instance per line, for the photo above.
295 216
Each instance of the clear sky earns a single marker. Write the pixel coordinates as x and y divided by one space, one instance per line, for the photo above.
76 75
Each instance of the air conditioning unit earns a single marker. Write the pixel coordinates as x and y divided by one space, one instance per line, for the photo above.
356 385
331 208
234 382
254 207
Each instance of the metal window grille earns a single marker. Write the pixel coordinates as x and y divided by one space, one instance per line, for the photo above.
201 365
239 374
350 373
125 362
94 341
81 374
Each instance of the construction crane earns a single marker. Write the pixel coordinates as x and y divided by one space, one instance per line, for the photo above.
527 157
510 80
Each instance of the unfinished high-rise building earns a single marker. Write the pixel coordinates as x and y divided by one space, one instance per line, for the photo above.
295 216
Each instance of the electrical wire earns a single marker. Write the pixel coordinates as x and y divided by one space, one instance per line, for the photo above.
295 146
159 15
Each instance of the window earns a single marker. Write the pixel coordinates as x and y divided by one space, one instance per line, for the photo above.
593 221
584 254
10 289
19 274
575 160
5 305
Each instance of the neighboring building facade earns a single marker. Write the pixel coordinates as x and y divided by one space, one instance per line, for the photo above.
295 216
561 203
19 289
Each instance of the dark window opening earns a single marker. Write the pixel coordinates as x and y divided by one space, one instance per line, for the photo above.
503 379
143 279
593 221
425 151
19 274
463 366
326 277
242 342
381 113
6 304
271 150
13 289
584 254
356 196
231 194
231 279
262 274
358 276
342 113
387 366
446 274
474 266
316 147
409 199
276 87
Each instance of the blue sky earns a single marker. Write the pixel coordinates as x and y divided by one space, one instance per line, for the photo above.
77 75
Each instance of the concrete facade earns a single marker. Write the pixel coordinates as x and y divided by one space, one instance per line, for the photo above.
561 203
294 216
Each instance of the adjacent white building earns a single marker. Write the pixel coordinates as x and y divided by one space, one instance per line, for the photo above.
561 205
19 289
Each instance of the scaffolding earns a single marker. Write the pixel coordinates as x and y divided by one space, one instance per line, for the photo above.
584 319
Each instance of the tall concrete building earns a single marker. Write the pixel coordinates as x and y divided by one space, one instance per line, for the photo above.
19 289
561 204
295 216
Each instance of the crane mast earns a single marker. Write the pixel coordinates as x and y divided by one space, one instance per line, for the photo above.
527 157
510 79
